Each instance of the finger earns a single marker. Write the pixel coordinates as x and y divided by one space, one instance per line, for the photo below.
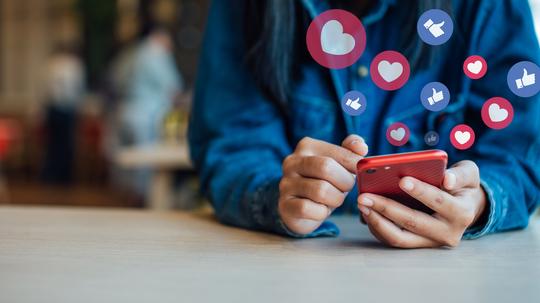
316 190
462 174
304 209
436 199
393 235
314 147
412 220
317 167
355 144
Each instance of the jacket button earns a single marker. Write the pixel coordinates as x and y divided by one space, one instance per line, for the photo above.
363 71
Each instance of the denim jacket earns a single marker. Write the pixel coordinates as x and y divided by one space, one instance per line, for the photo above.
239 138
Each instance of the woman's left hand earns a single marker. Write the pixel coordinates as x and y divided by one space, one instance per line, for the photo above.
457 206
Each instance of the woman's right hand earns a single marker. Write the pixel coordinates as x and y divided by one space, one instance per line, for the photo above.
316 179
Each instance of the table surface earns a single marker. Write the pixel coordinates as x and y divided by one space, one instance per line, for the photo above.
92 255
160 156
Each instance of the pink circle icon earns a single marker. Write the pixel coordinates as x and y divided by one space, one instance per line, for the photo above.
336 39
462 136
390 70
497 113
398 134
475 67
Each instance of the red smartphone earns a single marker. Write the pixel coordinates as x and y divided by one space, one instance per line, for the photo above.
381 174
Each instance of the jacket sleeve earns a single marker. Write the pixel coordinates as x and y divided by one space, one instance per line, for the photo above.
508 159
237 136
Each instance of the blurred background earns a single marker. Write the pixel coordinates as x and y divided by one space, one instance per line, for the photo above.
94 100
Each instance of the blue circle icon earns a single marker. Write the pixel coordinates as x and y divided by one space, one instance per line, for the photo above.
435 96
354 103
435 27
431 138
524 79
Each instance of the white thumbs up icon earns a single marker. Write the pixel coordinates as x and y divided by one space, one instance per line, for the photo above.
526 80
354 104
436 97
434 29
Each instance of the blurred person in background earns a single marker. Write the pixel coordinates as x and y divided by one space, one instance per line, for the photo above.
152 83
65 87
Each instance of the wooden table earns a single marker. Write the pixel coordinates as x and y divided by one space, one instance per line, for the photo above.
89 255
163 159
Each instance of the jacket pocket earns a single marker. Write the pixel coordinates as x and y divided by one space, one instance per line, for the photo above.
312 116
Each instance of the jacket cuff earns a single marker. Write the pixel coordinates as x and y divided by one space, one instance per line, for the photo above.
496 207
266 215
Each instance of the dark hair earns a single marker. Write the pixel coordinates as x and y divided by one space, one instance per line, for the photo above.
273 31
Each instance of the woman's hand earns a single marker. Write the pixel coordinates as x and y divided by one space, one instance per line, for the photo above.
456 208
316 179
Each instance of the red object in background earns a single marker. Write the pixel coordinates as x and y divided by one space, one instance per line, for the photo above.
9 132
380 175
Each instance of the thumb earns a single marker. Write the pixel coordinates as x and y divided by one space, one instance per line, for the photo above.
525 73
462 174
440 24
434 91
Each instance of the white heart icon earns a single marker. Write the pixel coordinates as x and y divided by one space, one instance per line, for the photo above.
462 137
334 41
475 67
397 134
496 113
389 71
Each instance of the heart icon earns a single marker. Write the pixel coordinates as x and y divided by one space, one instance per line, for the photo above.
462 137
389 71
397 134
475 67
334 41
496 113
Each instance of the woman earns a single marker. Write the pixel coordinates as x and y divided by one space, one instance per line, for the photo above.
276 153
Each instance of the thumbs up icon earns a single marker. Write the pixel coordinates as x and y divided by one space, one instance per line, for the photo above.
526 80
354 104
436 97
434 28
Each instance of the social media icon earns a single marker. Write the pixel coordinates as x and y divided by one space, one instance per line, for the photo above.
336 39
462 136
390 70
522 79
475 67
497 113
435 27
526 80
435 96
354 103
398 134
431 138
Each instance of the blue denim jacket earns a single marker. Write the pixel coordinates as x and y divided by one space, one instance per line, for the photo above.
239 138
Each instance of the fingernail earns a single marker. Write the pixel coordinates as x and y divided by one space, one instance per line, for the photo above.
366 201
365 210
407 185
354 142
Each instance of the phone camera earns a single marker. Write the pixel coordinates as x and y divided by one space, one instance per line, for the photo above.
371 171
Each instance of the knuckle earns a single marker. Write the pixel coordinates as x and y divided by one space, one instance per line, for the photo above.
325 166
303 209
304 144
382 209
410 223
321 190
288 163
439 198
